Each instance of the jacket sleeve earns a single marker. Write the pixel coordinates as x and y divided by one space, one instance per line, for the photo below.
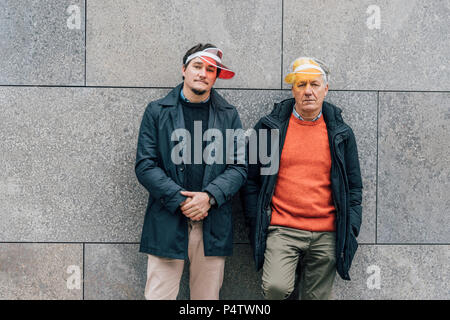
250 191
224 186
354 183
148 171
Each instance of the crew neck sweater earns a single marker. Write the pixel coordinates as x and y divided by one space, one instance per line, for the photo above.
303 198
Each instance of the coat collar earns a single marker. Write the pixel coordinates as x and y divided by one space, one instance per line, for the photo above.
283 110
172 97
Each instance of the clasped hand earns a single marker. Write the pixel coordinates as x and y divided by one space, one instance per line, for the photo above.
196 206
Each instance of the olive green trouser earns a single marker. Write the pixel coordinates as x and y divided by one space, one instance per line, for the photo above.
285 248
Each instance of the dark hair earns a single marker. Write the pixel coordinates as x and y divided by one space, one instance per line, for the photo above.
196 48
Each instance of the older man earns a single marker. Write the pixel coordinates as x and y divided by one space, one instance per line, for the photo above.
189 208
309 212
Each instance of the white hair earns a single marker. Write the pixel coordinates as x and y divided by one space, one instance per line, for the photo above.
326 76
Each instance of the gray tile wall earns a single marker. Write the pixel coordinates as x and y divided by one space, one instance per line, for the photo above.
72 98
37 46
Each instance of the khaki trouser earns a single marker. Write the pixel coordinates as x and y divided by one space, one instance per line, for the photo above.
205 274
286 247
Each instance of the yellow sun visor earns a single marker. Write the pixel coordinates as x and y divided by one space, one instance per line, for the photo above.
304 69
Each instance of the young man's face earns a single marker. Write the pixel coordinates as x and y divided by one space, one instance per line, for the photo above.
309 93
199 76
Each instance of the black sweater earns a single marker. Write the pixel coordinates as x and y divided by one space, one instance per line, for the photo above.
194 171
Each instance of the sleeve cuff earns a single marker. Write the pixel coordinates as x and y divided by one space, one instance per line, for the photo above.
216 193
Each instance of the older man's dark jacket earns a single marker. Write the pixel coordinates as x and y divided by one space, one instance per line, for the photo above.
346 184
165 230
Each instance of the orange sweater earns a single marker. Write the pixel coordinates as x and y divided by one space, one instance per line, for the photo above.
302 197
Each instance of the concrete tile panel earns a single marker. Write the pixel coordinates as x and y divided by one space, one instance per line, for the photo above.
114 272
118 272
41 271
241 281
409 50
252 105
42 42
414 176
397 272
359 110
67 164
142 43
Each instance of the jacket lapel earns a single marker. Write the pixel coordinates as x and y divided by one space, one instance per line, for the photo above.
173 108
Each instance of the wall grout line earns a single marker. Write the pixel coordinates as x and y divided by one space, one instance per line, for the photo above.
376 170
236 243
68 242
217 88
85 42
83 268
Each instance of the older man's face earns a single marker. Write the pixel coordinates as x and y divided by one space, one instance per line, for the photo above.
309 92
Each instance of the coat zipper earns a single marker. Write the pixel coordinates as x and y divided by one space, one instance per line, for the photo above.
340 171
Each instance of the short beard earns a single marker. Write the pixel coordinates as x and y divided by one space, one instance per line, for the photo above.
198 92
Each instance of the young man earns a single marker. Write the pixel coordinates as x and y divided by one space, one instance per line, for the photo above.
189 207
309 212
